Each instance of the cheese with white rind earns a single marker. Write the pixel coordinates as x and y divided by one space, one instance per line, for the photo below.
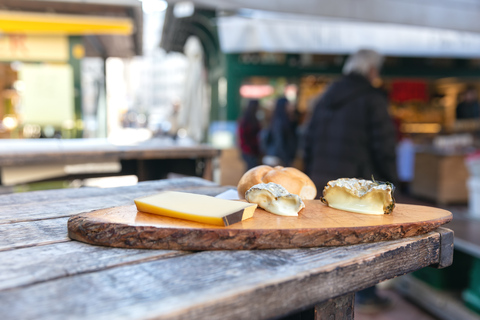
360 196
196 207
274 198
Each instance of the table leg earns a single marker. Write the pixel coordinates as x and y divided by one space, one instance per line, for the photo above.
335 309
208 169
340 308
142 171
155 169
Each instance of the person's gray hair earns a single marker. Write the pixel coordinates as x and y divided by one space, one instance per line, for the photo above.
362 61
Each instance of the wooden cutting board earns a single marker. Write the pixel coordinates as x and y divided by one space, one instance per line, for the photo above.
316 225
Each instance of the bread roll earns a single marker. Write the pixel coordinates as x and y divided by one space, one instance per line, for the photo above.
292 179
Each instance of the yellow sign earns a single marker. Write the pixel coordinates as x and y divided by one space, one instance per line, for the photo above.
25 47
53 23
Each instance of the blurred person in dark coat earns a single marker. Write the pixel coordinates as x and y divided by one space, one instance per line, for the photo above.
279 142
351 135
469 107
248 134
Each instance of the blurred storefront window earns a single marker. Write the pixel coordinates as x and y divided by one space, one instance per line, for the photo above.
43 48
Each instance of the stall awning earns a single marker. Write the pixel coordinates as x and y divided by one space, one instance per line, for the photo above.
273 32
433 28
461 15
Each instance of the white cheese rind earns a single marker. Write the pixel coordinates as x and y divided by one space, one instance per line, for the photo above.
274 198
358 195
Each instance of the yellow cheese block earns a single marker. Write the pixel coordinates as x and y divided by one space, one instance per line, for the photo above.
196 207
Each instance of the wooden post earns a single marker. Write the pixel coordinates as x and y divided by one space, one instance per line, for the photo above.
142 171
208 170
340 308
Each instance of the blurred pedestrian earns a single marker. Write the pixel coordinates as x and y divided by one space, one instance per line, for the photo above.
279 139
351 135
468 108
248 134
173 120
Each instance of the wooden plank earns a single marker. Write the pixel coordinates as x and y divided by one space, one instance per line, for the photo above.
33 233
37 197
67 194
170 152
258 284
446 248
445 305
39 264
47 231
66 202
337 308
316 225
17 153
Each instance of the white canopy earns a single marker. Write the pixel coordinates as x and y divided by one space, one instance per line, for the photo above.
262 31
443 28
462 15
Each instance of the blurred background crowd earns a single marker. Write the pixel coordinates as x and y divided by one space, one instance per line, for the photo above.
131 70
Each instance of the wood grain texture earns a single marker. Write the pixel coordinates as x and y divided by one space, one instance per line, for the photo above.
43 232
61 194
67 202
258 284
336 308
29 230
33 233
316 225
44 263
446 248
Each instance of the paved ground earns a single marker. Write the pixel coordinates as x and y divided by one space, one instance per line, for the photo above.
401 309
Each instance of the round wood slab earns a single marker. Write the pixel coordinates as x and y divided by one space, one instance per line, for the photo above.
317 225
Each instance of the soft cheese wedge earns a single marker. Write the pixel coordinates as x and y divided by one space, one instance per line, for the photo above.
196 207
358 195
274 198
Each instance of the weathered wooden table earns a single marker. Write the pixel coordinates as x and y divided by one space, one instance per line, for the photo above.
45 275
149 160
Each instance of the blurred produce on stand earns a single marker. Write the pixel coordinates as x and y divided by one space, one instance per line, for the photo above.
454 142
